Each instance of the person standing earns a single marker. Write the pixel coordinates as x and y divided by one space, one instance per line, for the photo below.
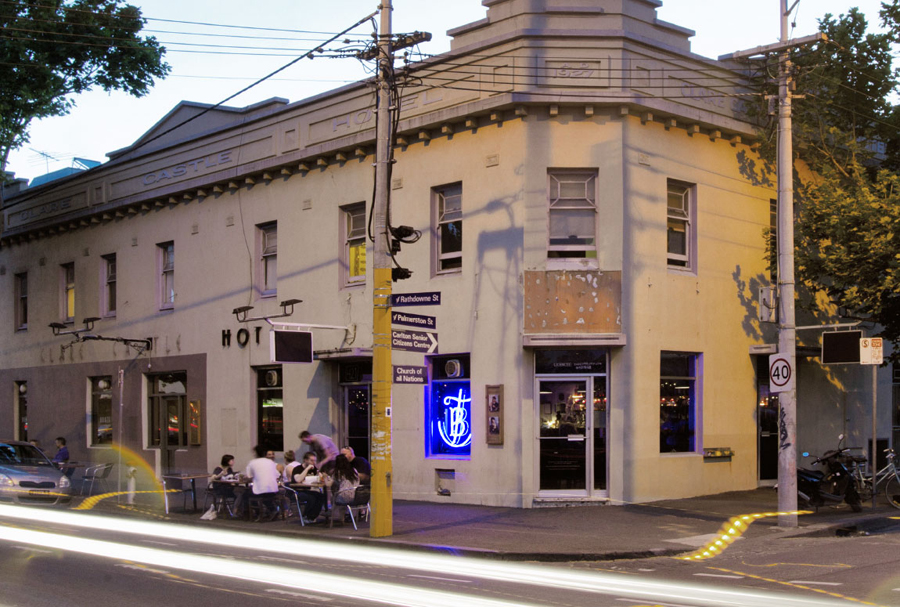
264 474
326 450
62 452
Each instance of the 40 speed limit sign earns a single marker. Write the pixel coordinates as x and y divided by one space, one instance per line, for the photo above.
781 373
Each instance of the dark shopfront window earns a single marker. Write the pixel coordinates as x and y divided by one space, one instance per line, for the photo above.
101 411
677 402
168 404
270 407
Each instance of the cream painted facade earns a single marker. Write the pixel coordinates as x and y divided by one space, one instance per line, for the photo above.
536 90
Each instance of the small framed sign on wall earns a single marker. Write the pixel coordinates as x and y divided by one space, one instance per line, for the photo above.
493 406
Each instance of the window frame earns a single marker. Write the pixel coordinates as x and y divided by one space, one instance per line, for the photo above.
21 301
96 392
166 274
109 285
267 259
350 238
155 399
694 377
269 388
448 372
439 195
569 253
686 261
67 292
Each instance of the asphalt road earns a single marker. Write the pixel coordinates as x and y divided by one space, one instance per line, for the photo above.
862 565
74 559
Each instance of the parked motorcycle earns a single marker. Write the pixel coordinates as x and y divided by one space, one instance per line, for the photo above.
832 484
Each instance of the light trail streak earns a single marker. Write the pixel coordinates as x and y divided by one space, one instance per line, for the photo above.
438 564
325 583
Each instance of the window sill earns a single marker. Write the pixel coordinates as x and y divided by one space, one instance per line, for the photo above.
681 271
573 263
681 454
354 285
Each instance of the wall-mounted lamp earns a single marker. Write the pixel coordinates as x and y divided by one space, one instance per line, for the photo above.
287 308
61 329
23 388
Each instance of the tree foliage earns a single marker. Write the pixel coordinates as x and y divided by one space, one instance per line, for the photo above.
51 50
847 211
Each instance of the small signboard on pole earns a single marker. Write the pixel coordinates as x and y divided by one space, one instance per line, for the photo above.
410 374
871 351
781 373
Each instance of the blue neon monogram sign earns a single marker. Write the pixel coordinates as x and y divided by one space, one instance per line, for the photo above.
450 419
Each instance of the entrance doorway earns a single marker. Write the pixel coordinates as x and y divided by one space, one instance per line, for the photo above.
359 419
767 424
573 438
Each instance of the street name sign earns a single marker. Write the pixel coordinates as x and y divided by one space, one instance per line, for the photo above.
413 320
410 374
871 351
781 373
432 298
414 341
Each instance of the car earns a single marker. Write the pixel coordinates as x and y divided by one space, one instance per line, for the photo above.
28 477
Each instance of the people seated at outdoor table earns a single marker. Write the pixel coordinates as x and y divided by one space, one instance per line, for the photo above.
290 462
326 450
312 497
360 464
264 474
343 482
225 472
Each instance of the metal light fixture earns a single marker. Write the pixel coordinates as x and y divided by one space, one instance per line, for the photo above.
287 309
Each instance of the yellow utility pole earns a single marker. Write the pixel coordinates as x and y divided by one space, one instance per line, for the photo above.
382 501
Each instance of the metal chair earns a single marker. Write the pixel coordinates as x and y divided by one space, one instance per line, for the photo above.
92 474
221 502
360 503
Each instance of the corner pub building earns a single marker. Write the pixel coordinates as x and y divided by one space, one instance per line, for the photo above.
592 215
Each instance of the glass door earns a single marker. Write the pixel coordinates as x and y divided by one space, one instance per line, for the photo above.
572 439
359 419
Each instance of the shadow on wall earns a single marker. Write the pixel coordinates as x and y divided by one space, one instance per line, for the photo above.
756 171
748 296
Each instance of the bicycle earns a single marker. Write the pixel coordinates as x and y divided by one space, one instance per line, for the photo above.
889 475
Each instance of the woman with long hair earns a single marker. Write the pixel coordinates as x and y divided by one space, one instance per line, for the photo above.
343 481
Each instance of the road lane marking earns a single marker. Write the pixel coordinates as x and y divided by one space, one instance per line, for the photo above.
159 543
442 579
791 585
299 595
144 569
730 577
815 583
33 549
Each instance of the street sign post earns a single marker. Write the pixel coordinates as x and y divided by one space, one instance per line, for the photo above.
871 351
781 373
432 298
414 341
410 374
414 320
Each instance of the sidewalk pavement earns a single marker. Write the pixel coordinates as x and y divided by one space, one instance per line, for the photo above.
573 533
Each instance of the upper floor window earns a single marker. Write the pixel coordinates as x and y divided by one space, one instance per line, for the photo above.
573 214
166 252
21 295
268 258
678 402
680 225
448 228
353 258
108 285
67 292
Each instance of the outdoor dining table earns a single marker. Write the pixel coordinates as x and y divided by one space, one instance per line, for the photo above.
182 477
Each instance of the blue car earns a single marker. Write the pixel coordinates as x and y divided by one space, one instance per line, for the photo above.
28 477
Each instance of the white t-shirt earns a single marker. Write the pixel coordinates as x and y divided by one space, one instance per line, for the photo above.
288 475
264 474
